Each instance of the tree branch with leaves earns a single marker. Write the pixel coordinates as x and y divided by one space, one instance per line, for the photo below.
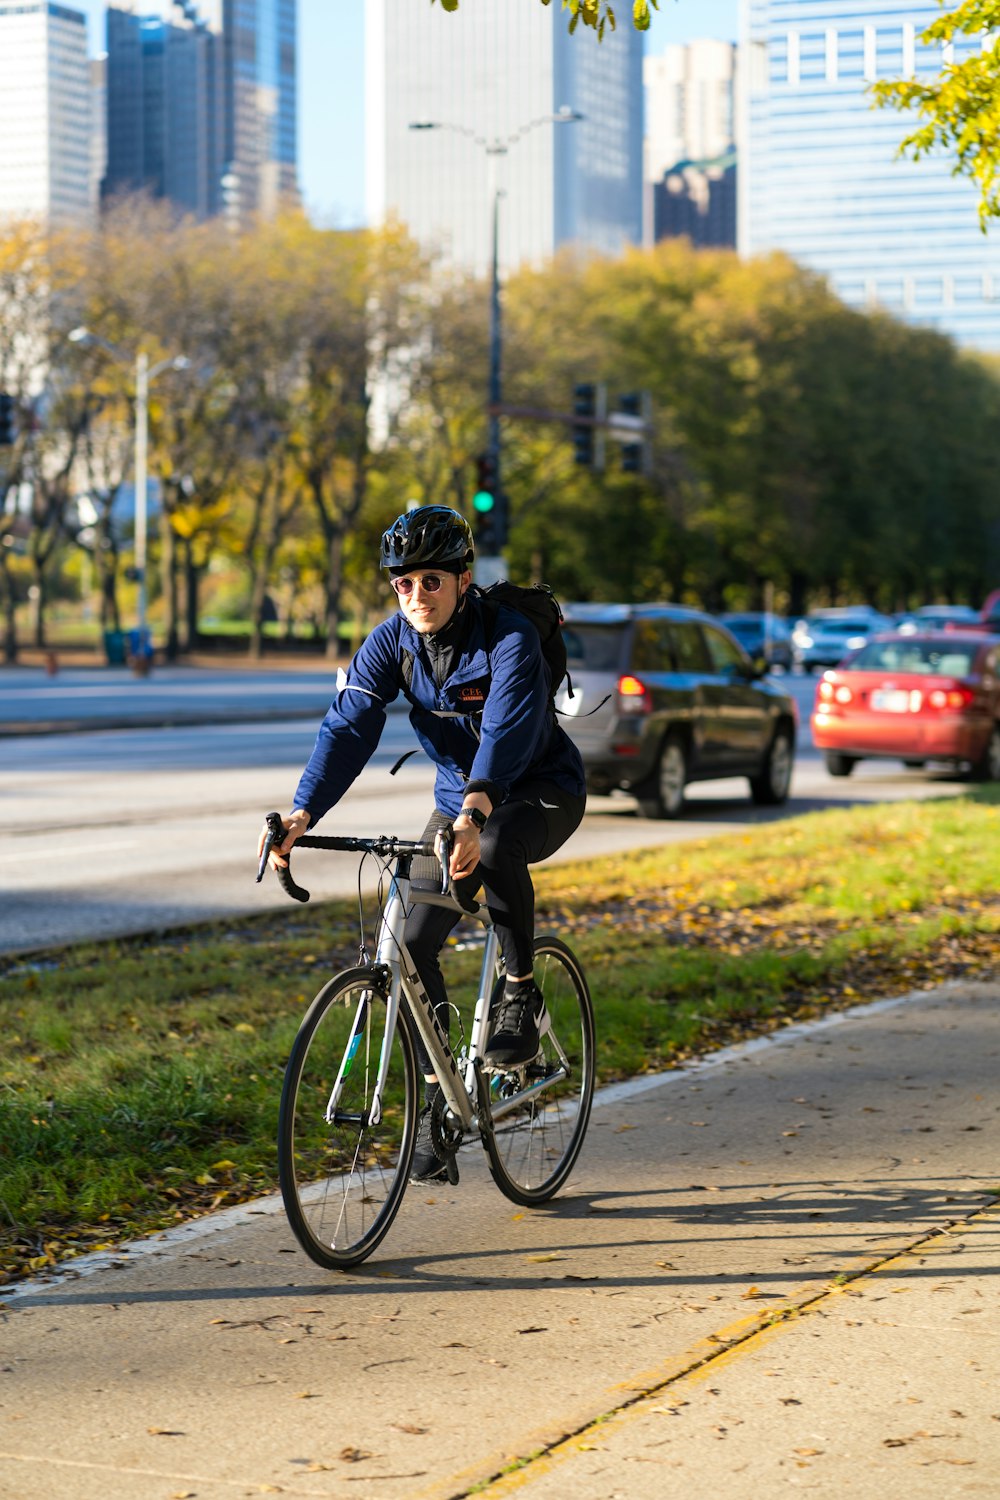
598 14
960 108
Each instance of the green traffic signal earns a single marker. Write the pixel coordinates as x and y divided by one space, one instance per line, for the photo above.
483 502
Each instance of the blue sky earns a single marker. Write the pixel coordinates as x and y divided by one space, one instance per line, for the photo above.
331 85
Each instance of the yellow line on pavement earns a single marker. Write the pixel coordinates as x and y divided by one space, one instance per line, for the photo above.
546 1449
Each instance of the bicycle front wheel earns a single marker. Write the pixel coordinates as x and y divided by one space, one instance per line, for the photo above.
541 1108
342 1173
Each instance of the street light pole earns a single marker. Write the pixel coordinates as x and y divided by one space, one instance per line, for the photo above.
143 377
496 379
494 148
141 485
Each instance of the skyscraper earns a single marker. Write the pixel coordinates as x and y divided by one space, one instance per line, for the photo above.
261 140
690 155
494 82
819 175
44 113
202 104
164 87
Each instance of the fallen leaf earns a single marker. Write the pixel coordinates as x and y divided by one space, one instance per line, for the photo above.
164 1432
545 1257
808 1452
306 1395
532 1330
410 1427
354 1455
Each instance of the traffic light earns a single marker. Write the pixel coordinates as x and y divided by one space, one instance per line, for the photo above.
584 405
7 425
487 504
631 406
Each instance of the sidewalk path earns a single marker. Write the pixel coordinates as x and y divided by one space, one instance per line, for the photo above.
777 1269
84 698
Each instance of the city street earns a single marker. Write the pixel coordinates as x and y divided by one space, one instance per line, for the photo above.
120 831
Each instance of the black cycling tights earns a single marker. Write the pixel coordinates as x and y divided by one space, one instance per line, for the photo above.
536 820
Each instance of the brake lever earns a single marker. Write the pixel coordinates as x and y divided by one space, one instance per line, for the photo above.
275 835
444 843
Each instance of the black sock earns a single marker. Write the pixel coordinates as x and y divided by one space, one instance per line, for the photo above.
431 1091
516 987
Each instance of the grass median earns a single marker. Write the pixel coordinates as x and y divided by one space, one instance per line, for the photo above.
140 1079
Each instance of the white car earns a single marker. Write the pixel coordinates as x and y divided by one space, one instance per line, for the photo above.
825 637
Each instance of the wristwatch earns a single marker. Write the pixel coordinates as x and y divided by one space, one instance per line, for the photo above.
475 816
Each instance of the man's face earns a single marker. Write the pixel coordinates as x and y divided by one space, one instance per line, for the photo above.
426 607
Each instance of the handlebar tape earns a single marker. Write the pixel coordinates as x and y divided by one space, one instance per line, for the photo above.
276 833
288 885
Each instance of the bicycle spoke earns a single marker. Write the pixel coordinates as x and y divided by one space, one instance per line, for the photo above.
539 1131
343 1178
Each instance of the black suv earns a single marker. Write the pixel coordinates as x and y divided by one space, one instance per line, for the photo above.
663 695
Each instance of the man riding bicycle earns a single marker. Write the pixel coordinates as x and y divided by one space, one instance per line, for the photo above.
509 783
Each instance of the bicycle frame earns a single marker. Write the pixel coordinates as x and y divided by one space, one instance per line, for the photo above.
394 964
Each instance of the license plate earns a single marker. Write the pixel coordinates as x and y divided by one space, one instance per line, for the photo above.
891 701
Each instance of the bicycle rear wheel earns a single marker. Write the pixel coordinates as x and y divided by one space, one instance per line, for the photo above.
343 1179
541 1109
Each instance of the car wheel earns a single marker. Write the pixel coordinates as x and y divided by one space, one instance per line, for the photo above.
914 765
771 786
839 765
664 795
987 767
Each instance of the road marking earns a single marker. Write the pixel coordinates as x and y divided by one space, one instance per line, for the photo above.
542 1454
175 1476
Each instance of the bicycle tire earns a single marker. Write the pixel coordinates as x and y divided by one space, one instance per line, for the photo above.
343 1182
532 1151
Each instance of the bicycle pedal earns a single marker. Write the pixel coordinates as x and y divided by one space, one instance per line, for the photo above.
452 1167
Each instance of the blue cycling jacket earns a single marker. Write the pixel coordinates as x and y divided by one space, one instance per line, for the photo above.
491 721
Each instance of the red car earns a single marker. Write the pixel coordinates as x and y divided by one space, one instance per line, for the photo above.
913 698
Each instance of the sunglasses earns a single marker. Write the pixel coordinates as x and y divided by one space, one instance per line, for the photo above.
429 582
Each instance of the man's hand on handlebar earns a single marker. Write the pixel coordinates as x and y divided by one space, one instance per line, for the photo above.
465 852
295 826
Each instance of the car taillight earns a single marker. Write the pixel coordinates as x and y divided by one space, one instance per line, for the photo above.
635 695
832 692
956 697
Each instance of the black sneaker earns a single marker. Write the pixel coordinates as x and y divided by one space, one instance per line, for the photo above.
515 1027
426 1166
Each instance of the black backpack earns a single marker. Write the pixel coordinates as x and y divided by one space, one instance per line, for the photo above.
539 605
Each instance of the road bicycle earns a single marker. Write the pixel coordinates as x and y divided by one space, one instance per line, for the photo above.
352 1091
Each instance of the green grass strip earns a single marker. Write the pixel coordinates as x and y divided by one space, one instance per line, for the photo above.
140 1079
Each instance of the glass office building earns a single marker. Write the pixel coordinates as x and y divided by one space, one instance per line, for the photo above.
820 177
201 101
45 102
164 109
261 140
493 80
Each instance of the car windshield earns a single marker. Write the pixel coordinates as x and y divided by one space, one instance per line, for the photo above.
593 648
841 627
931 658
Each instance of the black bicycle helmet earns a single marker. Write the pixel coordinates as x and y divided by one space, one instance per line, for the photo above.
432 536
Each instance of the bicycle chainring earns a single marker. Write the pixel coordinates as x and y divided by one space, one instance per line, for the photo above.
445 1138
